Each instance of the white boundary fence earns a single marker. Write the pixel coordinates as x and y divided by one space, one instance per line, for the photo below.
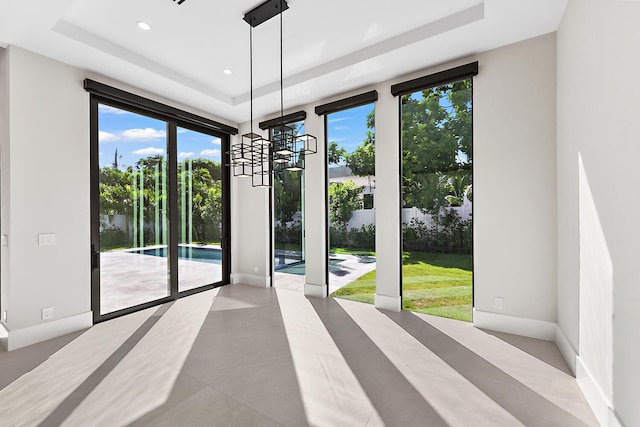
367 216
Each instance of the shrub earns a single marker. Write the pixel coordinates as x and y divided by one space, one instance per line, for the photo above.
448 234
113 237
364 237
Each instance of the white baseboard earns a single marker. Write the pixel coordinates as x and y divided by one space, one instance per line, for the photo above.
595 396
4 336
515 325
35 334
614 421
385 302
313 290
568 352
249 279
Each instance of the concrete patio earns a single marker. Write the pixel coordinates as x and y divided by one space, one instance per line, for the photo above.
128 279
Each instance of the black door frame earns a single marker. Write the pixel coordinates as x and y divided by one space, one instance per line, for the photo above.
172 124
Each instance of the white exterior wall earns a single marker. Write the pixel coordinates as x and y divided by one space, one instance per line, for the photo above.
598 134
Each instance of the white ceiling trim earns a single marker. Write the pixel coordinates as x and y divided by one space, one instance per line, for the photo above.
459 19
69 30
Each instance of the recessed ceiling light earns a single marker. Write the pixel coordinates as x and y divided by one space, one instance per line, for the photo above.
228 71
143 25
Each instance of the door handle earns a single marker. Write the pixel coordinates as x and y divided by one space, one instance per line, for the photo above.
95 258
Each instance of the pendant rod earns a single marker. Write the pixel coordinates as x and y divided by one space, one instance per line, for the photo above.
251 72
281 73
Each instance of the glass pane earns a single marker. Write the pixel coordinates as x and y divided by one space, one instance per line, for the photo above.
437 201
288 219
133 209
199 209
351 157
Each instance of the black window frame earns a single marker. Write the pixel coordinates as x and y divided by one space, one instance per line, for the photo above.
173 118
324 110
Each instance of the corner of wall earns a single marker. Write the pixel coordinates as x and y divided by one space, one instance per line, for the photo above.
566 348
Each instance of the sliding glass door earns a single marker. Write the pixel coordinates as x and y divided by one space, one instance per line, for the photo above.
159 200
132 209
199 166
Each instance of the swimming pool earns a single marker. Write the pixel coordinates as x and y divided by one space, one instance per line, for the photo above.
210 255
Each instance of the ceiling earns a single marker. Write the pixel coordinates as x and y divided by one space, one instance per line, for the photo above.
330 46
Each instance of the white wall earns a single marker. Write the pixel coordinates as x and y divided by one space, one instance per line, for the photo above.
45 189
4 181
45 170
249 228
514 180
514 184
598 144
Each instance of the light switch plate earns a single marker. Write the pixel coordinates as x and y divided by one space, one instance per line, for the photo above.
5 240
46 239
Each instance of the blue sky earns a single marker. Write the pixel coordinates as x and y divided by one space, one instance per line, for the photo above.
136 136
348 127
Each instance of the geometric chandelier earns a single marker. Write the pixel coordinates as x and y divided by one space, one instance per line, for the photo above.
254 156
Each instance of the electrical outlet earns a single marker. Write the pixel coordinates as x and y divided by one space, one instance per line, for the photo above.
255 269
47 313
5 240
4 316
498 303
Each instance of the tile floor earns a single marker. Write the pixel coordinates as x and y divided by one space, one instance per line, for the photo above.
245 356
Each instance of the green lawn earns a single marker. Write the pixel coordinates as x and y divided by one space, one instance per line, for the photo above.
437 284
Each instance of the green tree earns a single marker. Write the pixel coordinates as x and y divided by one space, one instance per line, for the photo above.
344 198
206 197
286 188
335 154
362 161
436 145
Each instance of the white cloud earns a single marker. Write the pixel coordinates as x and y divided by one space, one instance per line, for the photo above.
339 119
106 109
216 141
183 155
341 128
107 136
149 151
147 134
210 153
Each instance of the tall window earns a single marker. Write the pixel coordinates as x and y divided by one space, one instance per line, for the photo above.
437 195
288 219
351 174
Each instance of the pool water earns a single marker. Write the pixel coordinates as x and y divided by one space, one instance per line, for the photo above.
210 255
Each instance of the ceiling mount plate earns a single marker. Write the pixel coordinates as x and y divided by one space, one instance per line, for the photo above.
264 12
